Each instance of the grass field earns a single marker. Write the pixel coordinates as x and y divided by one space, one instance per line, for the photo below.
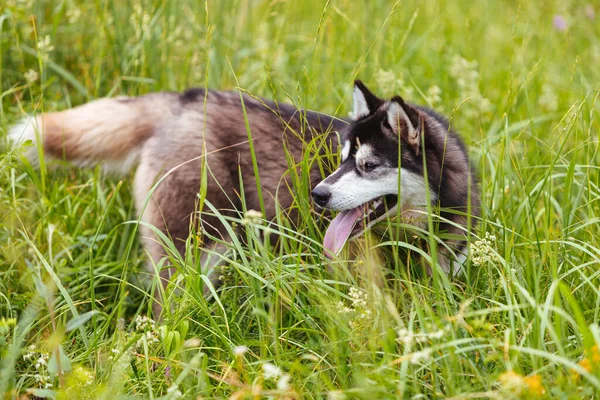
519 81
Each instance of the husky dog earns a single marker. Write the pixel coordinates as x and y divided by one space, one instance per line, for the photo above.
397 157
171 137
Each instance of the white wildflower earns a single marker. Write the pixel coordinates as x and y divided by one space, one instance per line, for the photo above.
437 334
481 252
420 356
389 85
360 314
239 351
359 297
421 338
404 89
284 382
142 323
41 377
343 309
30 353
73 15
149 329
271 371
43 380
31 76
386 80
45 47
45 44
42 361
252 217
434 95
466 76
405 336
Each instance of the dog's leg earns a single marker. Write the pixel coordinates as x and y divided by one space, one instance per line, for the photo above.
452 262
453 257
173 208
169 211
156 253
212 262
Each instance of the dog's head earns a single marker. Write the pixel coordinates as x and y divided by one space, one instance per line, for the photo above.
381 167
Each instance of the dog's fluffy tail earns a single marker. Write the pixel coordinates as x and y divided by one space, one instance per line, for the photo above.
110 132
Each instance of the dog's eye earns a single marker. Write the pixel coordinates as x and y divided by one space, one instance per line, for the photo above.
369 166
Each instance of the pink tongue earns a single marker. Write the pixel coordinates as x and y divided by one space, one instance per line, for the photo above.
340 229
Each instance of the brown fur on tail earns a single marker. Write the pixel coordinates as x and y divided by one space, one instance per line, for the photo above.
110 132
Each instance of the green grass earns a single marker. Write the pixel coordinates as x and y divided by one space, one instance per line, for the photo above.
522 93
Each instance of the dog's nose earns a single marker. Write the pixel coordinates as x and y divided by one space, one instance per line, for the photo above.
321 195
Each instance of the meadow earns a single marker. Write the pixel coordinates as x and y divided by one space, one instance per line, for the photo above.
517 79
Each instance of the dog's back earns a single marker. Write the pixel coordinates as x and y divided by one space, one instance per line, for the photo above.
173 137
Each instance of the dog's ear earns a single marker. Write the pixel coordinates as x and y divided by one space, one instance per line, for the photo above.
365 102
406 122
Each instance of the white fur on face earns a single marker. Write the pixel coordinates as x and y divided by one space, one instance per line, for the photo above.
351 190
364 153
361 109
345 150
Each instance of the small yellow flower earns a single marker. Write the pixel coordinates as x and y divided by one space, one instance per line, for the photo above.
591 361
595 355
519 385
534 385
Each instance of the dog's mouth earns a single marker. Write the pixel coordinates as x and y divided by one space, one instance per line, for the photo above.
351 223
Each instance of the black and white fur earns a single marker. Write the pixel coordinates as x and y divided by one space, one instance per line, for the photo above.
394 156
170 137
